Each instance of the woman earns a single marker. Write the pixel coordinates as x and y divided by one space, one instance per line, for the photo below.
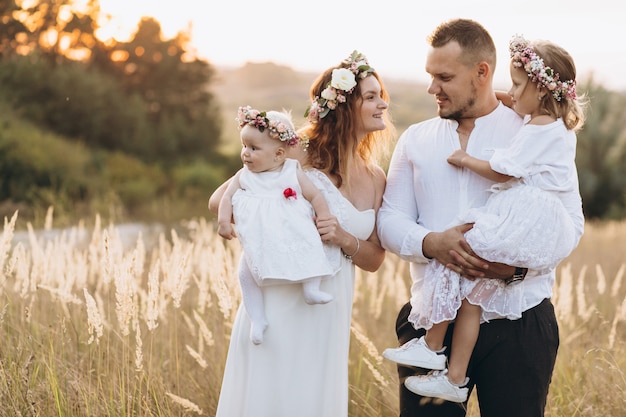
302 366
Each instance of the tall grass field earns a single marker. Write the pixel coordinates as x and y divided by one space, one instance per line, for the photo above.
95 324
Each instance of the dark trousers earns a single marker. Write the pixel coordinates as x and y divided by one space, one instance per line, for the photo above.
511 366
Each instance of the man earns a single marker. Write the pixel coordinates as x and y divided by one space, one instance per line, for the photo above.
512 363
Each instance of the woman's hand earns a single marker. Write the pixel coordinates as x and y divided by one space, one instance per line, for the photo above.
366 254
331 231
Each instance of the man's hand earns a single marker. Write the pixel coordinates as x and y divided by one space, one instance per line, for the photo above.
452 250
484 269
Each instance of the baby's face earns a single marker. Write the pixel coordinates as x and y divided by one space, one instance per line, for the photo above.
259 152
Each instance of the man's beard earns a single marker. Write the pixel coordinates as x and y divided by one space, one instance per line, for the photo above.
463 111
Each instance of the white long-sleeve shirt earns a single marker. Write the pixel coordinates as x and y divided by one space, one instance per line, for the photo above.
425 193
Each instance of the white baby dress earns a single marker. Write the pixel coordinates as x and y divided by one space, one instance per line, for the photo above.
270 205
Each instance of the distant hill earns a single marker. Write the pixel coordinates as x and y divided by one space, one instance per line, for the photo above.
271 86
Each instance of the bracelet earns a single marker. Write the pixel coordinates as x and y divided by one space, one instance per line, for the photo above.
358 246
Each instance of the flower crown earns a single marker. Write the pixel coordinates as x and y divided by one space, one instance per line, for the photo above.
341 84
525 57
277 129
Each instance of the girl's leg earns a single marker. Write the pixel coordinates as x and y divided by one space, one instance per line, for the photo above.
435 335
312 293
464 339
252 297
412 404
450 384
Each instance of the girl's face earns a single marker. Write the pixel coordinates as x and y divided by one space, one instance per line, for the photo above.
372 107
524 93
259 152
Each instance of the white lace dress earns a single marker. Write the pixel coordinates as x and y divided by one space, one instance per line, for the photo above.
301 368
524 223
290 248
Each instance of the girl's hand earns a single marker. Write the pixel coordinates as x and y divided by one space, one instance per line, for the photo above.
456 158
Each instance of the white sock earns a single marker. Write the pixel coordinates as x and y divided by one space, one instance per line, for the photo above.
253 302
257 332
313 294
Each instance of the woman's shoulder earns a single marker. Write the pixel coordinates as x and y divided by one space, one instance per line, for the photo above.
379 176
316 175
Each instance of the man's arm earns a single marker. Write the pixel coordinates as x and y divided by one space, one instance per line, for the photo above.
397 225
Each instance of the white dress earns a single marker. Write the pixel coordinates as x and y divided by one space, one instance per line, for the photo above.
301 368
260 209
523 223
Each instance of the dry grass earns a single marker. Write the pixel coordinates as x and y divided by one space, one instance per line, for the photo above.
93 326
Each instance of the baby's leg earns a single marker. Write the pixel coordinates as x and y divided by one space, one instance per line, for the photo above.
253 302
313 294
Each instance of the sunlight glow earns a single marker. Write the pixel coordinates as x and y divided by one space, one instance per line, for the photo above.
393 36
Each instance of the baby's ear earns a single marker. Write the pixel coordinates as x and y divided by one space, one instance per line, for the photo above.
281 153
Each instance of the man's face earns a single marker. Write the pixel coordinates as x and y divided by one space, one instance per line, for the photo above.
452 82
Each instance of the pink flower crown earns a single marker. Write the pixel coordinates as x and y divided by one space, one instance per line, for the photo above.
342 83
276 129
525 57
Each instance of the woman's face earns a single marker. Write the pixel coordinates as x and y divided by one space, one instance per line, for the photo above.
373 107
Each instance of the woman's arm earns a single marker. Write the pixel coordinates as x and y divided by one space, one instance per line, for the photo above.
373 253
366 254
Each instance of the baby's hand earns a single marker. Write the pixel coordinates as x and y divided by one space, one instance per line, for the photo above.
456 158
226 230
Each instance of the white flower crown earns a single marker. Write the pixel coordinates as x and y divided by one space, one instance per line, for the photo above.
276 129
525 57
342 83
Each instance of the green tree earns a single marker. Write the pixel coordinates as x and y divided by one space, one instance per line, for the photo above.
149 97
175 88
601 154
56 29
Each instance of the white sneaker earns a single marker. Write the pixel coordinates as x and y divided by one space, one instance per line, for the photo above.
416 352
437 384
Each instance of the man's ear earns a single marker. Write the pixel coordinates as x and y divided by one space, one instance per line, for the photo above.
483 71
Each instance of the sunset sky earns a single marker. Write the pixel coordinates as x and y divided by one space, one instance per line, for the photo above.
311 36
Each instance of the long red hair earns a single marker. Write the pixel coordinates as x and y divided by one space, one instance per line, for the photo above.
333 142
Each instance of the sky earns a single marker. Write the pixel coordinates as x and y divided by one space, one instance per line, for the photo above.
311 36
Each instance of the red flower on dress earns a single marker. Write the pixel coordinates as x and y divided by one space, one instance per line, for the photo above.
290 193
